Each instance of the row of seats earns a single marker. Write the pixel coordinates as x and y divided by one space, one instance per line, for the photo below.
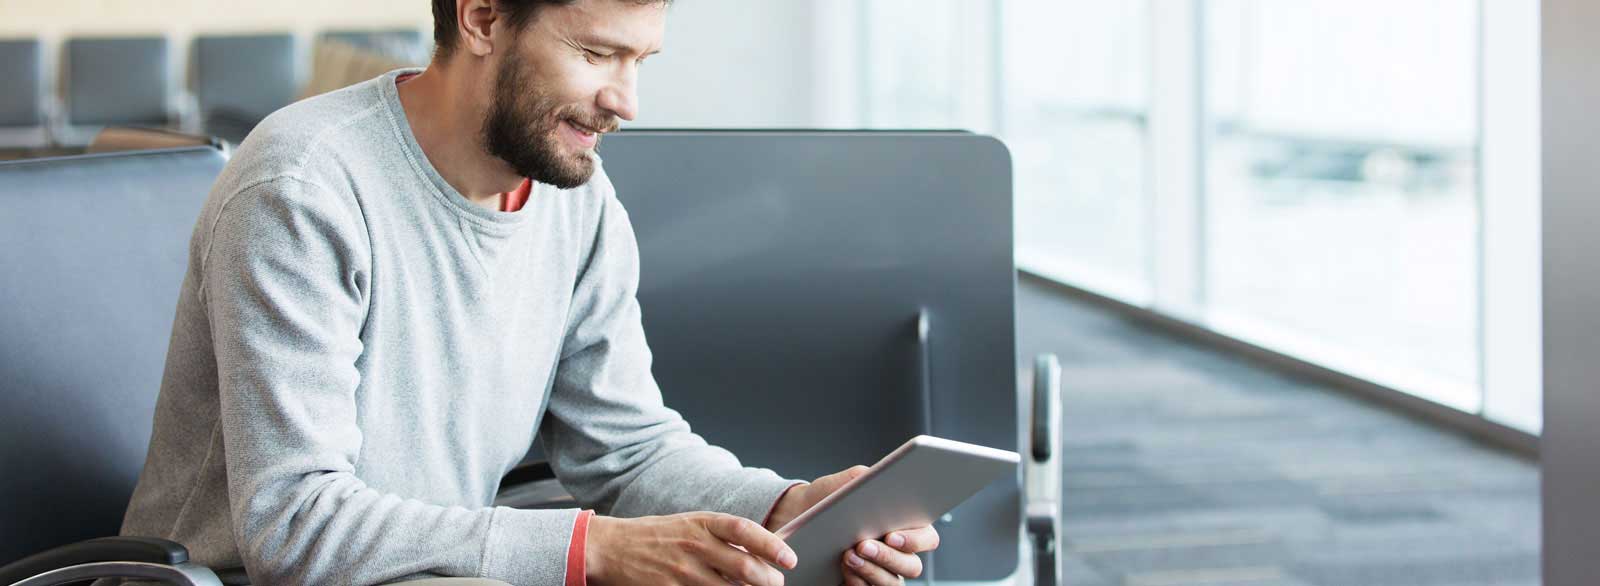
233 82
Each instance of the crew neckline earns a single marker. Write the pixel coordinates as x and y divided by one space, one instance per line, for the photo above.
442 191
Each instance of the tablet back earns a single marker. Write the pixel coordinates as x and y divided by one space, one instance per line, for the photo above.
909 488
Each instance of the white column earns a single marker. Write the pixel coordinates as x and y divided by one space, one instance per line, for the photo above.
1176 172
1510 213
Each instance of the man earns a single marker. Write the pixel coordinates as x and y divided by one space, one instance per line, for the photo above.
381 310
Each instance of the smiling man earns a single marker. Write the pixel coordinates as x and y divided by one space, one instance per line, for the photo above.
393 287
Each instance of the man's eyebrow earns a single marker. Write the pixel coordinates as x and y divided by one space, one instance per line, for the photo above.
600 41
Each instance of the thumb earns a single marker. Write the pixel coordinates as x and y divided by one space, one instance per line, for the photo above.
826 485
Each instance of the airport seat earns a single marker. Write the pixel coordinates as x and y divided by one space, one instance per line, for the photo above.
23 108
239 80
92 251
812 300
115 81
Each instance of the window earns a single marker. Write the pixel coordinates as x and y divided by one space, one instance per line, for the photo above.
1341 185
1350 183
1074 114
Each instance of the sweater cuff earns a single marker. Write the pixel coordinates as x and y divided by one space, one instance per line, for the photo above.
576 569
757 497
774 508
529 546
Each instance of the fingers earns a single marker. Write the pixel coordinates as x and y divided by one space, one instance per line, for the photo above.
875 553
869 572
741 567
832 482
753 538
850 579
917 540
704 575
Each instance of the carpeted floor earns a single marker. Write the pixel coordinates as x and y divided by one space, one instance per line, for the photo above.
1189 466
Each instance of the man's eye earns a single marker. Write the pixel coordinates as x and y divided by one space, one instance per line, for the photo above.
594 55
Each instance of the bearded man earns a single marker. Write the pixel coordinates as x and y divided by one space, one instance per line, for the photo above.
393 287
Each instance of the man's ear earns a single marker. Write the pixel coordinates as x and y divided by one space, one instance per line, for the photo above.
474 21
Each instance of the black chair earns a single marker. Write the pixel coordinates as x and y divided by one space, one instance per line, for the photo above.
239 80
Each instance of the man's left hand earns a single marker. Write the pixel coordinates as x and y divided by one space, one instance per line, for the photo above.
875 562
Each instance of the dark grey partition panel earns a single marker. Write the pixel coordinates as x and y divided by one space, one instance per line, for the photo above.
92 251
238 80
22 94
117 81
783 276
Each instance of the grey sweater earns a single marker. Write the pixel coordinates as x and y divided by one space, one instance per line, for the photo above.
360 354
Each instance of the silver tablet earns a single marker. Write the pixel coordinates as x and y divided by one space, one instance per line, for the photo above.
916 484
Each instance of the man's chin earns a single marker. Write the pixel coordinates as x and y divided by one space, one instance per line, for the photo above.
575 170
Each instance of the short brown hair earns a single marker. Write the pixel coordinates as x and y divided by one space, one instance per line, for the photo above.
518 13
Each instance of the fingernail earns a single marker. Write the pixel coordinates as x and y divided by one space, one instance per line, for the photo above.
853 560
896 540
786 559
869 549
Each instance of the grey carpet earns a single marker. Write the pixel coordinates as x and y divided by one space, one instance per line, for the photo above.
1185 465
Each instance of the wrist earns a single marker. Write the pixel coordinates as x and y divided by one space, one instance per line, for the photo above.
594 562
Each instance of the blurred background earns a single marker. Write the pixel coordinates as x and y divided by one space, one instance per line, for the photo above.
1229 215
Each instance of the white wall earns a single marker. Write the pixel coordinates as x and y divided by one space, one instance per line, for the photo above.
731 63
725 63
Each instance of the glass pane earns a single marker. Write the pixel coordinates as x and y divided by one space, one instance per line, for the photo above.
1075 77
932 75
1341 187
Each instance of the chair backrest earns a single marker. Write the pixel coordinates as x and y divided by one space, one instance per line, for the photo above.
117 81
238 80
92 251
782 279
22 93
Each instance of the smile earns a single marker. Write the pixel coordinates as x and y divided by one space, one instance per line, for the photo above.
580 135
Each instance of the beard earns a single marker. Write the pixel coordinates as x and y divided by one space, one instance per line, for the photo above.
521 127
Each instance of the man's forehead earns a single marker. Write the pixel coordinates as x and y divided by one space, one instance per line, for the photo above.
621 24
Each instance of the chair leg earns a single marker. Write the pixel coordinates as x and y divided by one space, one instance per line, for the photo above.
1042 474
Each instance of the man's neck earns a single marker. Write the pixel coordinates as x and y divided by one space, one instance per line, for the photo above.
446 119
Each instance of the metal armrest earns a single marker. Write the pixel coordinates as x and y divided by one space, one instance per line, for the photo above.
1042 471
533 485
108 557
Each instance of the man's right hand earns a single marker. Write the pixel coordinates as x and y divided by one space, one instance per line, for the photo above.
690 549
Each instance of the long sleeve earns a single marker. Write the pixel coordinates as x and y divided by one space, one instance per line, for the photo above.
286 276
610 438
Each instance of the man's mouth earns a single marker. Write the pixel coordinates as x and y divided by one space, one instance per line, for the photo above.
582 135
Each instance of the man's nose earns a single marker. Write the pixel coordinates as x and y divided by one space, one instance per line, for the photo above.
621 98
